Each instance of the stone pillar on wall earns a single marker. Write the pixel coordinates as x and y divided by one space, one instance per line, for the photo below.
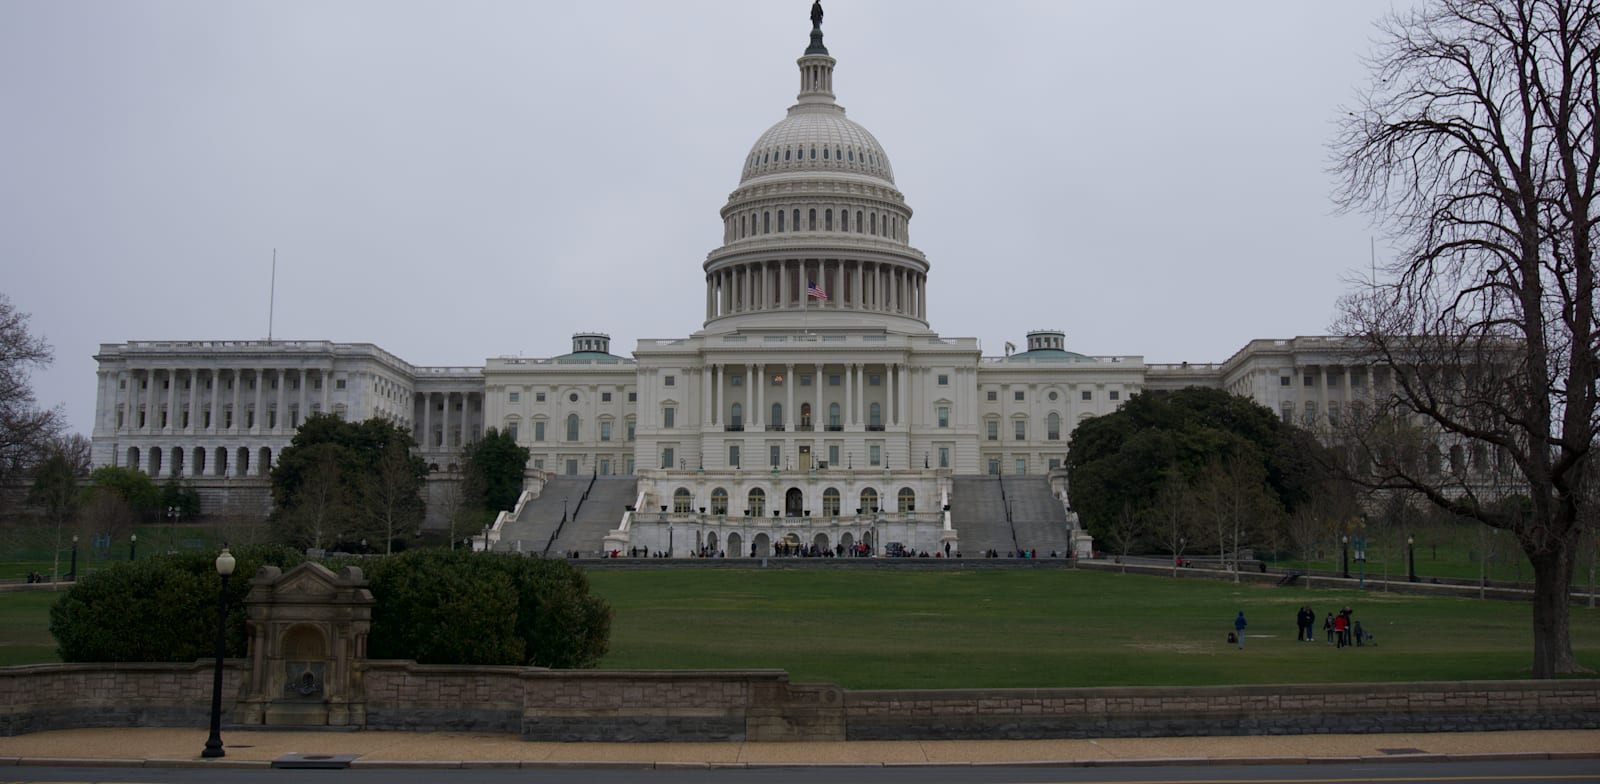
308 633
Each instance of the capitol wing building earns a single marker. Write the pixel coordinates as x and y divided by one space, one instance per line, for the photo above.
816 412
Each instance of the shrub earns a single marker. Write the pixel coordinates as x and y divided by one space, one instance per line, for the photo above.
458 607
158 609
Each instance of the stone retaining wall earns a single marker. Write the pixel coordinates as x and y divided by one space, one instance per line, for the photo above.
762 705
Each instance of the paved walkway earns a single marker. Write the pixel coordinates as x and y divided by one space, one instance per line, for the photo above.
181 747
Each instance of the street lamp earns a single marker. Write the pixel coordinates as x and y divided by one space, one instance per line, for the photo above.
133 544
72 573
1411 558
563 507
225 564
1345 541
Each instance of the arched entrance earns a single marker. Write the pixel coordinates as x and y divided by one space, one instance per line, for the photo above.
735 543
820 542
711 543
760 547
794 502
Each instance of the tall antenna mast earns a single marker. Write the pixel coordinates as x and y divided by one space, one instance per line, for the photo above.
272 298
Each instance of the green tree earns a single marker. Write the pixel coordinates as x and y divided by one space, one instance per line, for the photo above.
496 464
132 487
1475 147
56 491
380 481
456 607
158 609
1126 457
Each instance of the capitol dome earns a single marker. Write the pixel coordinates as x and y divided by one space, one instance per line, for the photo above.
817 137
816 236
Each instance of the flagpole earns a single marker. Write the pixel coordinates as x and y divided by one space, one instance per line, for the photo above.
272 297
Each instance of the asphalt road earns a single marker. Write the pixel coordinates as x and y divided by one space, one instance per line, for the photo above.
1523 772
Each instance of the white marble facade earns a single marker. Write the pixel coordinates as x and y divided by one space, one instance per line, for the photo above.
816 388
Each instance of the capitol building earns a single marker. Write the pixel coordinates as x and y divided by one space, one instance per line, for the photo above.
815 407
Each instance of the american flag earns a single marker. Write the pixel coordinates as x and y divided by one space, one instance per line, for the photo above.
813 290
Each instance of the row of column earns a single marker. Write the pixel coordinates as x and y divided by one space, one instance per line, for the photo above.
461 424
785 285
757 376
137 391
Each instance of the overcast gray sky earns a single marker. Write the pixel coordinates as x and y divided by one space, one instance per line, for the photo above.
459 180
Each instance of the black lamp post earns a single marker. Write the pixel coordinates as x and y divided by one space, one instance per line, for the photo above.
1345 541
133 545
72 573
225 564
1411 558
563 507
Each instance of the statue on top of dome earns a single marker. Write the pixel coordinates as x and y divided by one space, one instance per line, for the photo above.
816 13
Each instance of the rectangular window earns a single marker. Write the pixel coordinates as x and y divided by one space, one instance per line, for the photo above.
874 380
733 455
670 381
633 397
875 455
774 454
737 381
833 379
833 454
944 457
605 430
666 457
1022 465
944 380
605 397
1088 394
630 430
1283 381
669 416
994 429
944 416
1022 429
1017 396
516 397
338 384
538 431
992 396
538 463
1310 380
511 432
1055 462
805 381
1115 394
538 397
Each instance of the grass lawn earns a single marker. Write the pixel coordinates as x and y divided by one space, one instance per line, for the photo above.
1002 628
25 627
1038 629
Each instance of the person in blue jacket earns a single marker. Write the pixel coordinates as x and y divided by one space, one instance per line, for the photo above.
1238 628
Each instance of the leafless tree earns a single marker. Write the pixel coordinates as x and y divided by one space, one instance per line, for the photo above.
320 509
391 504
1232 497
1476 147
26 431
1173 518
1126 531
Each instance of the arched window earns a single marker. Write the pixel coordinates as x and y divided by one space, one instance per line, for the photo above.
844 220
833 416
786 152
827 219
766 222
875 415
812 223
777 415
813 153
719 501
874 217
830 502
869 501
780 221
805 415
1053 426
743 226
861 225
825 153
682 501
908 500
736 419
572 427
796 222
758 502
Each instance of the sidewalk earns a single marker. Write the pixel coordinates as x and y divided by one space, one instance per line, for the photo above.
258 749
